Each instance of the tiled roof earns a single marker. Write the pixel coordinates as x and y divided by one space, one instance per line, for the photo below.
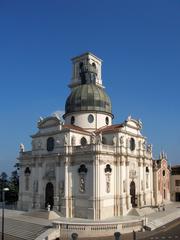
69 126
175 166
112 128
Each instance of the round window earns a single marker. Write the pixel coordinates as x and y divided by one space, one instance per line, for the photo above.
107 121
83 141
72 120
90 118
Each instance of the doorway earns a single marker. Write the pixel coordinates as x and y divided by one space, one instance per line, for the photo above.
49 195
177 196
133 193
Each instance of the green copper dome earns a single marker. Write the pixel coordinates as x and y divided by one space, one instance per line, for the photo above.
88 97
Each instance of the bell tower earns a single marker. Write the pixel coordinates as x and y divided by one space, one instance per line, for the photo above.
88 106
86 70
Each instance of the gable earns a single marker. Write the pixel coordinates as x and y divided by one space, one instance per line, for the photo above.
49 122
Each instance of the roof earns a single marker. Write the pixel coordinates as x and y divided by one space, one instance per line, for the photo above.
175 166
88 97
112 128
74 127
84 54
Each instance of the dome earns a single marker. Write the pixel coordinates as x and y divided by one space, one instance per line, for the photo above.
88 97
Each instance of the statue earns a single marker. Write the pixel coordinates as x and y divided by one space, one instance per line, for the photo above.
140 123
82 184
58 142
149 148
65 140
144 145
73 141
21 147
99 138
49 207
114 140
121 140
93 138
40 119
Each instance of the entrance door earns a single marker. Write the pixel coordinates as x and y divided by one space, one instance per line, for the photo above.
49 196
133 193
178 197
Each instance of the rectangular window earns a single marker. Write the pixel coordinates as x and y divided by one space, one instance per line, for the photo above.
177 183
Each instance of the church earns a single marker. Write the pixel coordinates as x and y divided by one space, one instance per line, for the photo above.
84 166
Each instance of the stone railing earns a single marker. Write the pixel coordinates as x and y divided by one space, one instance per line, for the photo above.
99 229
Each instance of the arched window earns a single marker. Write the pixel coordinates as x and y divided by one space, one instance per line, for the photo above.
50 144
107 121
132 144
83 141
80 65
94 65
27 171
82 177
104 141
72 120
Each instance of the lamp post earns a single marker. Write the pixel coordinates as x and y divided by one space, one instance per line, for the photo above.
3 205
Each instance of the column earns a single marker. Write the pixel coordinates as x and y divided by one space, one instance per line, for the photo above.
41 189
121 185
144 180
57 183
118 186
127 185
66 186
96 183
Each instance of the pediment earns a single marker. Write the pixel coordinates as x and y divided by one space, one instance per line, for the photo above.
133 123
49 122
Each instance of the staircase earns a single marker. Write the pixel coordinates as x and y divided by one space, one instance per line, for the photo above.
23 230
43 214
141 211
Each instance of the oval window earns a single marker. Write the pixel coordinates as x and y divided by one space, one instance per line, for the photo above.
107 121
90 118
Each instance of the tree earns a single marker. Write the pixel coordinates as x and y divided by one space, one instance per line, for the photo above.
3 182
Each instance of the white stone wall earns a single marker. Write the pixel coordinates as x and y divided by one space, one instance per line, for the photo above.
174 189
81 120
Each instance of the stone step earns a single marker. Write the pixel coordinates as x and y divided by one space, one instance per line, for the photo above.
23 230
43 214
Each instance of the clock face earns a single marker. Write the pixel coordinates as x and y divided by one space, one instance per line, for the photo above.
50 144
90 118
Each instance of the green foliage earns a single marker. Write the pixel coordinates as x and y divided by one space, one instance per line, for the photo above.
12 183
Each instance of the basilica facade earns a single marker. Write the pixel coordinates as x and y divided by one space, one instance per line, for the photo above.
85 166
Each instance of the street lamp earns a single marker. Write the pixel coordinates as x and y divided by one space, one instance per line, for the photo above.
3 205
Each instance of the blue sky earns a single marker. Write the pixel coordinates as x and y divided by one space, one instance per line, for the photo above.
139 42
